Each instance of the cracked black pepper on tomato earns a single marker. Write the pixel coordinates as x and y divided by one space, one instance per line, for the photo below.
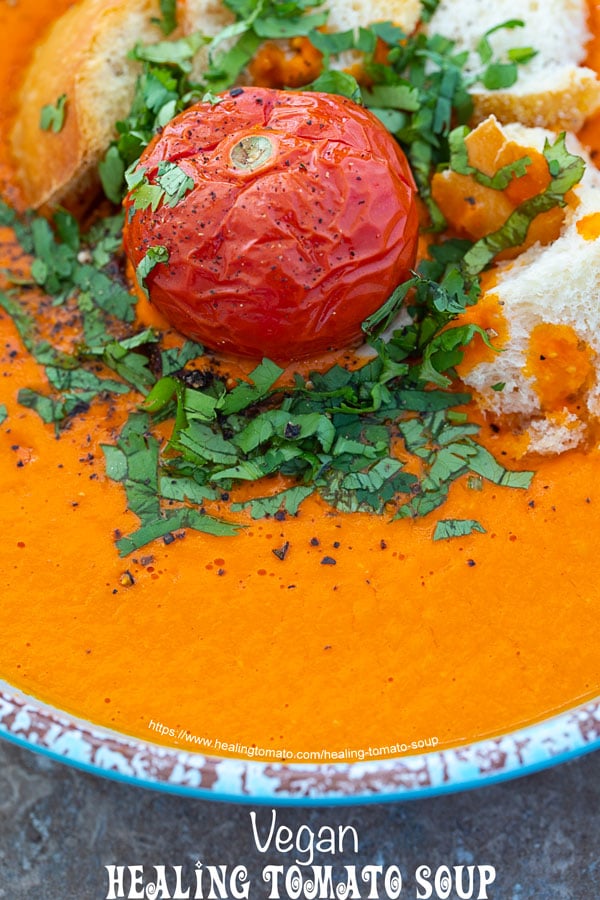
272 223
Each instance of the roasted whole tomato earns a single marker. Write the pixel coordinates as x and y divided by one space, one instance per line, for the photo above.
297 219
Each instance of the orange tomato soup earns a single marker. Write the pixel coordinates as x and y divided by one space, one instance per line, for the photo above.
365 635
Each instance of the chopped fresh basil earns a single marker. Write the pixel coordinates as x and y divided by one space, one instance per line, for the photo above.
52 116
287 501
151 259
178 53
500 76
133 462
168 21
334 82
451 528
278 27
112 170
172 185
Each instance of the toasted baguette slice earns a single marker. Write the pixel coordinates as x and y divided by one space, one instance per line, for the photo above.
84 56
543 314
554 90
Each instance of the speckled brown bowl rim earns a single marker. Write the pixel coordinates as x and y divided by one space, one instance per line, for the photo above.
39 727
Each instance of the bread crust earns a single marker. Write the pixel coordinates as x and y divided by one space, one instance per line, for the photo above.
563 105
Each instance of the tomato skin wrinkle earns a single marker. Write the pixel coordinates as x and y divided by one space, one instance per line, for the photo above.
301 222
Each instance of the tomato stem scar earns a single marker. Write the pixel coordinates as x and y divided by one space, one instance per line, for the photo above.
251 152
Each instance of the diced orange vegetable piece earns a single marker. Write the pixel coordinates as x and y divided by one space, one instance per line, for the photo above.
560 363
292 66
484 144
473 210
589 227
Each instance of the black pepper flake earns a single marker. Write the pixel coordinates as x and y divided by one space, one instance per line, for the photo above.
314 542
168 538
471 563
291 431
236 91
382 544
336 544
282 552
328 561
531 504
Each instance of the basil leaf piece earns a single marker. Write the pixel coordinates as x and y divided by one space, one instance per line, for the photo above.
153 257
452 528
52 116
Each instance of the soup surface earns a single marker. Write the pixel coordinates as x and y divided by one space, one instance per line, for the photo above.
365 635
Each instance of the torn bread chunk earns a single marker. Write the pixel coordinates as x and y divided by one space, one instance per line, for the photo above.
541 311
554 89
